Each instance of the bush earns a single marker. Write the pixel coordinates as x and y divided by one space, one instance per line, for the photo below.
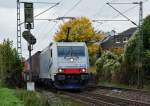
108 66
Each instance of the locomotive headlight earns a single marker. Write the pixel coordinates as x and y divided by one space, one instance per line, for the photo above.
71 59
60 70
83 70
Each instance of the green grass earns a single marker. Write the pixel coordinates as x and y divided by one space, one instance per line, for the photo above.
11 97
8 98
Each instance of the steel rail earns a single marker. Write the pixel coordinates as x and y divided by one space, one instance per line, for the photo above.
117 100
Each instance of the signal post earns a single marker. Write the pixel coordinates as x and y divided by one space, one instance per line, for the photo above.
31 40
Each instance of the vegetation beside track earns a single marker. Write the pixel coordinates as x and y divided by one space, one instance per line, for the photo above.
12 97
17 97
8 98
132 66
32 98
111 84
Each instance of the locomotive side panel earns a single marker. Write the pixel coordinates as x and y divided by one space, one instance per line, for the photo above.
54 65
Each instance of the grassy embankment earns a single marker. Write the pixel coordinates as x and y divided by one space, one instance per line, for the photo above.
17 97
12 97
7 98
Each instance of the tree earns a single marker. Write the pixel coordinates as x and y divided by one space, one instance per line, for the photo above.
131 59
81 30
10 64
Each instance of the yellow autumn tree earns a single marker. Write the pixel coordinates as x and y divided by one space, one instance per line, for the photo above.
81 30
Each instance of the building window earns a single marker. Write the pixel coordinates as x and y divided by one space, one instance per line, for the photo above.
125 39
117 40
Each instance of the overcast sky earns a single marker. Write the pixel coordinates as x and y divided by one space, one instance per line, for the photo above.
44 30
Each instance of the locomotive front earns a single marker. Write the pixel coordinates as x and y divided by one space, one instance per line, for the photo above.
72 66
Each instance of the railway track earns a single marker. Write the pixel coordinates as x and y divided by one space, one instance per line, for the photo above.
90 98
103 100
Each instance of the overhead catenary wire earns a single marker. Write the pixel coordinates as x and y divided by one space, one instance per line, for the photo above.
46 10
64 15
116 15
102 7
51 29
50 20
102 22
37 2
44 37
55 4
122 14
62 18
74 6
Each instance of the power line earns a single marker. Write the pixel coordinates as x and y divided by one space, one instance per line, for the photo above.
44 37
103 22
38 2
48 20
122 12
108 20
18 9
46 10
102 7
51 29
72 8
61 18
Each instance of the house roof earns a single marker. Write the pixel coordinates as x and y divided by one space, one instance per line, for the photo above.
129 31
109 41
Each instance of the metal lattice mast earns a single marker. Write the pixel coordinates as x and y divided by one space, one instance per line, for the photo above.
19 47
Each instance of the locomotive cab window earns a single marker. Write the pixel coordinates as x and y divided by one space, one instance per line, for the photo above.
68 51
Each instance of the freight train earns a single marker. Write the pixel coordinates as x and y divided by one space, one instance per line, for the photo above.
63 65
